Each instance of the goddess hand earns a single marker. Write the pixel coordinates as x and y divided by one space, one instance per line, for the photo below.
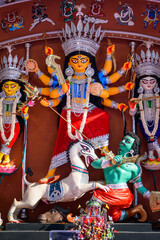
132 105
127 66
111 49
122 107
44 102
48 51
129 85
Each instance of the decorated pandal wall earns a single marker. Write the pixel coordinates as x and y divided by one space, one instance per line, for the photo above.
79 103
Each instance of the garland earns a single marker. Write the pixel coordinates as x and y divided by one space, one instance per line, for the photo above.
13 117
84 114
150 134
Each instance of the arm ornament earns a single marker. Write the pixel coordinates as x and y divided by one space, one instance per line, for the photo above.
121 89
39 73
50 82
51 103
109 57
106 163
121 72
114 105
60 91
104 72
53 74
106 88
40 90
147 194
94 186
138 185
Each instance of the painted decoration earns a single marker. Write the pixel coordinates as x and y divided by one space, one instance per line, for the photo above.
125 15
12 20
95 13
68 10
93 20
151 16
39 15
96 8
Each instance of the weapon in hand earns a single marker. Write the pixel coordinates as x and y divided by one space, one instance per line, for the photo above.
137 100
32 93
50 61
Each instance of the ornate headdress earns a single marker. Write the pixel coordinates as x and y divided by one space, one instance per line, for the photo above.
10 68
147 63
81 37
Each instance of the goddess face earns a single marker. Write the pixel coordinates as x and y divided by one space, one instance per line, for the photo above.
10 88
79 63
126 145
148 83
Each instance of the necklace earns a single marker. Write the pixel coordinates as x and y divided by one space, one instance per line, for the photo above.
150 134
13 119
84 113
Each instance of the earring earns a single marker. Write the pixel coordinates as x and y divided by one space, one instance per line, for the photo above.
18 94
69 71
156 89
89 72
3 94
140 89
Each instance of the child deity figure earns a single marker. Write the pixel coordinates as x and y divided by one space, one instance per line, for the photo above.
74 98
146 103
12 94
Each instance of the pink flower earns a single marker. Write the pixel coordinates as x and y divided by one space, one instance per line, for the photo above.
31 103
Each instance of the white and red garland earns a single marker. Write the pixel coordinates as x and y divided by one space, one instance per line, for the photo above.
69 123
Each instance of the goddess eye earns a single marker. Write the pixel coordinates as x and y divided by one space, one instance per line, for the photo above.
74 61
144 81
13 86
152 81
6 86
84 60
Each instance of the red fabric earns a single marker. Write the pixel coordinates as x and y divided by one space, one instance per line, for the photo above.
117 199
97 124
7 133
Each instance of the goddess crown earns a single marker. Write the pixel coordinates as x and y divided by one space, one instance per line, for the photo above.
147 63
10 68
81 37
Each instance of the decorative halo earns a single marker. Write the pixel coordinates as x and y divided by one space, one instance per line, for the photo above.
31 65
96 89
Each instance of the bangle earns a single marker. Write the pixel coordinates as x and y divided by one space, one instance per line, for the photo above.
146 194
39 73
121 89
53 73
51 103
94 185
114 105
121 72
104 72
60 91
138 185
109 57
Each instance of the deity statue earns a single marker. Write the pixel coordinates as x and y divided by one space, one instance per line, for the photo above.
12 94
118 170
80 96
146 103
